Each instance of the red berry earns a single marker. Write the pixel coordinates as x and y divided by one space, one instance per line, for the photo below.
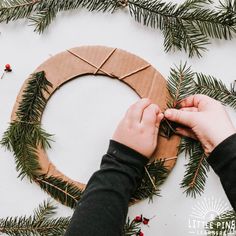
145 221
141 233
138 218
8 67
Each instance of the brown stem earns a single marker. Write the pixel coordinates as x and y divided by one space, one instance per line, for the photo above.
191 185
54 186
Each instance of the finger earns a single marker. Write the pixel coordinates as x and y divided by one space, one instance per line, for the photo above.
181 117
160 116
135 112
149 117
186 132
192 109
195 100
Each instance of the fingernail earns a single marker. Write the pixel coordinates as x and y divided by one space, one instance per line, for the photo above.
167 113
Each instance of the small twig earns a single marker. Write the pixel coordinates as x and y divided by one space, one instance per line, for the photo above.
169 158
149 176
2 75
170 126
123 3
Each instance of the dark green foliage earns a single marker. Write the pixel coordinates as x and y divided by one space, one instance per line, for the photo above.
33 98
212 87
11 10
187 26
196 169
131 228
23 139
180 85
155 174
46 11
64 192
40 223
25 134
223 224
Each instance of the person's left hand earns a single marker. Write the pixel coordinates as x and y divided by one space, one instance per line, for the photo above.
139 128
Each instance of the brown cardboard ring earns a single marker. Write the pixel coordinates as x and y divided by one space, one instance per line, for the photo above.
143 78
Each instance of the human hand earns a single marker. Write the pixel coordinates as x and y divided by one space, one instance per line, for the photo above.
205 119
139 128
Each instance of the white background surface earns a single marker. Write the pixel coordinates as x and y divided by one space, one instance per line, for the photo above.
84 113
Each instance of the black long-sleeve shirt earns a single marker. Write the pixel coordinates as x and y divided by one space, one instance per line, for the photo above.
103 207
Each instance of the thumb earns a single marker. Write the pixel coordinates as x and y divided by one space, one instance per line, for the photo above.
181 117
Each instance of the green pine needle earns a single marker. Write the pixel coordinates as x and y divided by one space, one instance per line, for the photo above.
212 87
24 139
180 83
33 98
131 228
188 26
223 224
196 169
155 174
40 223
25 134
64 192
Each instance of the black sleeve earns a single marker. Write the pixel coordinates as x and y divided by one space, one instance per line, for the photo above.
103 206
223 161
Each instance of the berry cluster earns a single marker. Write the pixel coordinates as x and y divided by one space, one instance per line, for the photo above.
141 219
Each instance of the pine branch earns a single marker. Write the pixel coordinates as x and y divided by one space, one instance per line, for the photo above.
223 224
33 98
24 139
25 135
228 6
187 26
212 87
11 10
40 223
131 228
180 85
46 11
64 192
196 170
154 176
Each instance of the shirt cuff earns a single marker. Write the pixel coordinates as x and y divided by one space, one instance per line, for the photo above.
126 154
223 153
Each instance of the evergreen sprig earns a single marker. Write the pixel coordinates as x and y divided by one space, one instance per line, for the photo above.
187 26
131 228
215 88
40 223
180 85
196 169
33 98
66 193
25 135
24 139
155 174
43 223
223 224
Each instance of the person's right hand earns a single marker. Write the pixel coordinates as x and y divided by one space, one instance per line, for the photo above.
205 119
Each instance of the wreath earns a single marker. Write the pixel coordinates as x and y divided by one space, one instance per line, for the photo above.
28 141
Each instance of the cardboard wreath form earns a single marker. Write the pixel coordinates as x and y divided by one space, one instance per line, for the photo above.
143 78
